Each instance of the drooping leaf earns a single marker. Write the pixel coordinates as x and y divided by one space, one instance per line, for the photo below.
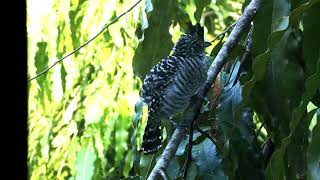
200 5
41 64
209 163
236 124
77 14
298 138
281 8
262 28
282 76
85 163
313 155
293 164
41 60
311 29
63 73
136 154
174 169
156 43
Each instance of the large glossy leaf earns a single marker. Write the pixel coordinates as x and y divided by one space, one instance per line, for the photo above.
263 67
293 148
262 27
314 153
311 29
281 8
156 43
289 161
235 121
209 163
174 168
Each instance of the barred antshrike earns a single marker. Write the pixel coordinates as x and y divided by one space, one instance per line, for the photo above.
171 83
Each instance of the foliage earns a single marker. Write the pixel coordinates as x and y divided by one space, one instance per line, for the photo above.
85 119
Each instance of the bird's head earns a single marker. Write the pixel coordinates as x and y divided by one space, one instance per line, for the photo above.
192 43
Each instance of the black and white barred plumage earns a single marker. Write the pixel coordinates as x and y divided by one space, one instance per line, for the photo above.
171 83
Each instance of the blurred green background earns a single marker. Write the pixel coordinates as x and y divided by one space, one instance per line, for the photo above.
81 113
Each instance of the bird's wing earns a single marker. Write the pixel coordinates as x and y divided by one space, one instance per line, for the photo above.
158 79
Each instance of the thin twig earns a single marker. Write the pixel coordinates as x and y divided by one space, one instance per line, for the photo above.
224 32
247 54
210 138
86 43
258 132
163 174
189 157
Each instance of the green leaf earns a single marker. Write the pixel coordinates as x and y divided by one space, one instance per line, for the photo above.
292 150
208 162
63 74
156 43
138 115
173 169
182 146
200 5
148 6
236 123
147 162
76 14
297 3
262 27
280 76
41 60
182 17
281 8
85 162
311 29
297 140
313 156
41 63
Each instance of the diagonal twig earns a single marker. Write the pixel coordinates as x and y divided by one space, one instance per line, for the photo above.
224 32
189 157
86 43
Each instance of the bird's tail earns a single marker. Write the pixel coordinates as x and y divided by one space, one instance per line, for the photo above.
152 134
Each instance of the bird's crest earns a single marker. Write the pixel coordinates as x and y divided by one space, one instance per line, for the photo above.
192 42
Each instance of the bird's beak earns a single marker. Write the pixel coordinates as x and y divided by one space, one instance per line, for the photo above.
207 44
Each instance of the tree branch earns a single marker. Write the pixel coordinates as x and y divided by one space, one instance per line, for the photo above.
242 24
189 157
86 43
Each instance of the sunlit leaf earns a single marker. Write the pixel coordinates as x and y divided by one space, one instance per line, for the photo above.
41 63
85 163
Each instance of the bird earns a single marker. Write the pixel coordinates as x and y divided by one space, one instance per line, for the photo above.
170 84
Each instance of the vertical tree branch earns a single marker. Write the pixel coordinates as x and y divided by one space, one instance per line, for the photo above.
242 24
